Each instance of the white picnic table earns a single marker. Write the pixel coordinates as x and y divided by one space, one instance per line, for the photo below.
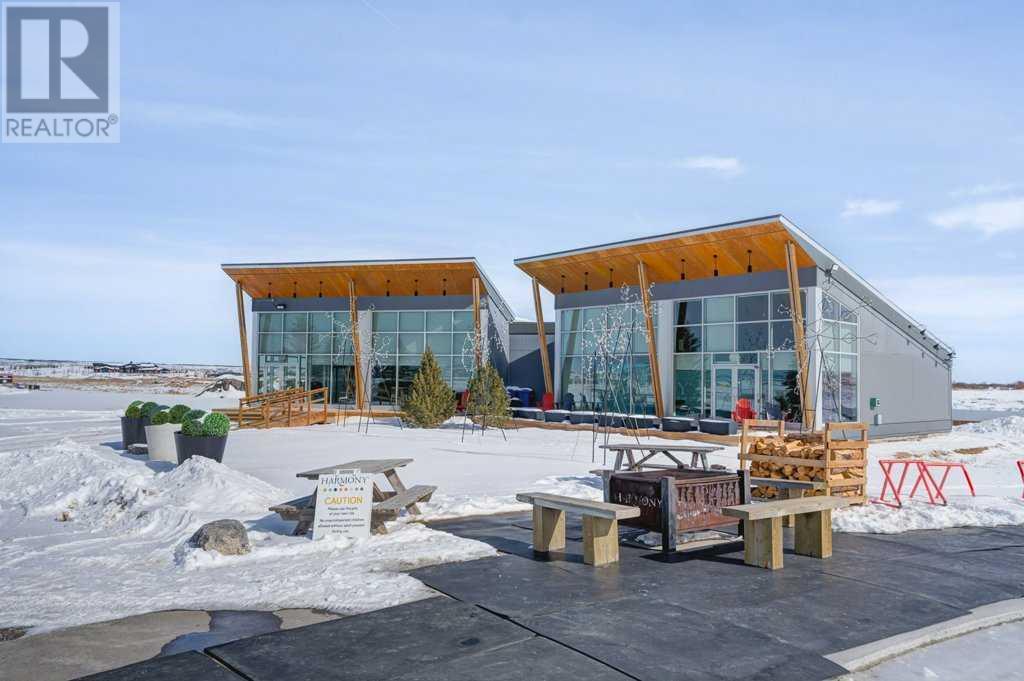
628 452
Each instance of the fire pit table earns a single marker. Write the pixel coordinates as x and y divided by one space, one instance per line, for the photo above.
676 501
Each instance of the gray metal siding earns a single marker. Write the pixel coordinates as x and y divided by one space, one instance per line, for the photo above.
915 389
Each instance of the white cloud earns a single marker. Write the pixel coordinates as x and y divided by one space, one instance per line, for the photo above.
985 189
988 217
725 166
855 208
981 316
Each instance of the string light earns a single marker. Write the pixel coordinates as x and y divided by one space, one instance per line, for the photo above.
387 289
320 292
295 289
586 281
611 275
750 267
270 290
682 269
715 256
563 283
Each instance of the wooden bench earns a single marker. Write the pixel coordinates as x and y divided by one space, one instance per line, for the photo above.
762 528
795 489
600 525
398 502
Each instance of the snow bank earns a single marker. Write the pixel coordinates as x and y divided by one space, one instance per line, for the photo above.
91 535
991 399
1010 428
918 515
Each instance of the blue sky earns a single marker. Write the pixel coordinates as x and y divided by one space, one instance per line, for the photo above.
335 130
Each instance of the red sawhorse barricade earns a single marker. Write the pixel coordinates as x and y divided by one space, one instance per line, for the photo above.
924 478
1020 467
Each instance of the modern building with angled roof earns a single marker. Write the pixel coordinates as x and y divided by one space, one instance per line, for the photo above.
359 328
699 323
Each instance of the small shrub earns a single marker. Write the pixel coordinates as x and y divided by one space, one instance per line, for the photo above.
488 398
216 425
160 418
178 413
149 409
194 415
134 410
191 428
431 401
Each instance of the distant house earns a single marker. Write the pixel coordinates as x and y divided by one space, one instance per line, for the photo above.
129 368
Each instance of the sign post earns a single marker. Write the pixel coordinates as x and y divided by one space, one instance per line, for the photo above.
344 501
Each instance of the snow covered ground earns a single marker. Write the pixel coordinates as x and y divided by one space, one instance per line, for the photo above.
84 524
989 400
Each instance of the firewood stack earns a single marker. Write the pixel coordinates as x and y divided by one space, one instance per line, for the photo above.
810 457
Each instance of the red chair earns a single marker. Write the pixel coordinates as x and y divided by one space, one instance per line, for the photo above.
547 402
743 410
463 401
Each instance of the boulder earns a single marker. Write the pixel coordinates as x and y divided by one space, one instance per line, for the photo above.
227 537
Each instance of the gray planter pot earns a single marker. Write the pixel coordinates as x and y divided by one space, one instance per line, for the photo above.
209 447
556 416
637 421
718 426
611 420
579 417
133 431
678 424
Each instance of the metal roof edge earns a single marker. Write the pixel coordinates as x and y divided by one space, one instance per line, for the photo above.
825 260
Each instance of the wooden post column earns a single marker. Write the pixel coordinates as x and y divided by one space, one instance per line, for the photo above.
652 353
796 314
478 340
356 354
542 338
244 340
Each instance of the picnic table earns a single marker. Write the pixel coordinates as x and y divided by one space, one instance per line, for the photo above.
387 504
924 477
629 453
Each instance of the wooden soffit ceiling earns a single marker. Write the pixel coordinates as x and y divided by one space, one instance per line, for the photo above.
308 280
762 246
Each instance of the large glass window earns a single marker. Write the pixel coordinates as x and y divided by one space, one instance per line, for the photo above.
603 359
307 350
736 351
838 344
448 334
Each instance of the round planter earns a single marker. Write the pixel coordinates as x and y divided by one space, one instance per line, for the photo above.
132 432
579 417
188 446
678 424
160 442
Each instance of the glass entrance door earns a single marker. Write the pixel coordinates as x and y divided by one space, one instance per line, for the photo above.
735 391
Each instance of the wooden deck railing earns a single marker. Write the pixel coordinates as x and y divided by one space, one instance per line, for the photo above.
282 408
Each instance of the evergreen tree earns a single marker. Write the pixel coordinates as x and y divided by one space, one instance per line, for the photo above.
431 401
488 399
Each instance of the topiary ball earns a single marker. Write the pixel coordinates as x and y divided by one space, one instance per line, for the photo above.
191 428
149 409
194 415
160 418
133 411
178 413
216 425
